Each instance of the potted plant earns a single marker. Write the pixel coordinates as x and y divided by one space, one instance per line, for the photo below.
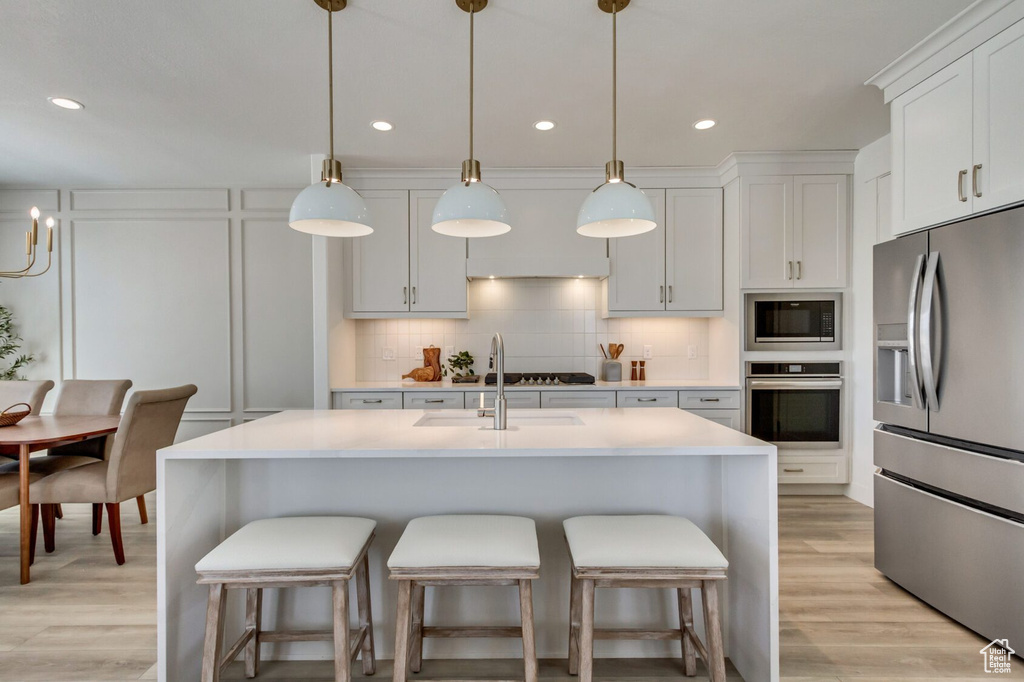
461 367
10 342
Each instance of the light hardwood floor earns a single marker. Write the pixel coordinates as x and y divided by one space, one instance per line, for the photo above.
84 619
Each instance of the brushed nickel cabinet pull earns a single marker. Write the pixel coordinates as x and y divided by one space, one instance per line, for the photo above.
647 400
710 400
669 293
974 180
960 185
367 401
799 269
405 295
793 471
414 295
789 274
661 294
434 400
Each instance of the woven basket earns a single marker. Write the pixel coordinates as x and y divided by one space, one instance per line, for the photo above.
11 416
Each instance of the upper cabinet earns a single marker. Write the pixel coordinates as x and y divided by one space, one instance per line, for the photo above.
957 142
675 269
794 231
404 268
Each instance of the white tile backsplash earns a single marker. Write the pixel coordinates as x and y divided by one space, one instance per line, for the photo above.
549 325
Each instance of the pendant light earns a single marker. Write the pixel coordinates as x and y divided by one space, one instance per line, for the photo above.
471 208
616 208
330 208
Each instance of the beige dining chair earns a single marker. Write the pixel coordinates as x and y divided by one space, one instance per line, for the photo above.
149 423
30 392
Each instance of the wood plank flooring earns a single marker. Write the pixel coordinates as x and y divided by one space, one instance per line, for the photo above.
85 619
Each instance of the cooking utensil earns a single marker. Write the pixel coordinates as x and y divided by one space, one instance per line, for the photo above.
601 346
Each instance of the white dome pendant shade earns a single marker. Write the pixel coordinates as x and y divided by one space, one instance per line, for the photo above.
616 208
471 208
330 208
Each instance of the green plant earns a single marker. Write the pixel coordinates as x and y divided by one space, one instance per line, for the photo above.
461 364
10 343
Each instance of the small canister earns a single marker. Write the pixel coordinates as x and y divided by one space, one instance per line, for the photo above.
611 370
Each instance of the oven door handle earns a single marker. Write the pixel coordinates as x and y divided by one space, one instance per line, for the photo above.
802 384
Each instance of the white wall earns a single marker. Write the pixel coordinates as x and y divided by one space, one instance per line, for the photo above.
549 325
871 224
165 287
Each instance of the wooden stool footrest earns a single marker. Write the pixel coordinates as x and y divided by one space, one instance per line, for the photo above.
472 632
636 633
237 647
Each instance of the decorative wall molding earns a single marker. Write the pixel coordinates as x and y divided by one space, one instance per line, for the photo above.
272 199
21 200
149 199
957 37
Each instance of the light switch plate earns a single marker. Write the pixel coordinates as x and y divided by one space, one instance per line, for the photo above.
388 353
648 352
691 351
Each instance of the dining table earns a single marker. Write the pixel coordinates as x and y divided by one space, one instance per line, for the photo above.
36 433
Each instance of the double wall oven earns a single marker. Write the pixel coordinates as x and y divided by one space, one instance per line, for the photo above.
796 405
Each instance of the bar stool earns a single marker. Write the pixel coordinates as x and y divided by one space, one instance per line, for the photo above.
644 551
436 551
290 552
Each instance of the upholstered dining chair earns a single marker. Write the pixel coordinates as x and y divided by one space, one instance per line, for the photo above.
29 392
149 423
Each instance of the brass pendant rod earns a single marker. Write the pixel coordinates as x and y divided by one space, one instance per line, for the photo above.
330 79
615 84
472 13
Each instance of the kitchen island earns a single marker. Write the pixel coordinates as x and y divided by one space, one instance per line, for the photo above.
394 465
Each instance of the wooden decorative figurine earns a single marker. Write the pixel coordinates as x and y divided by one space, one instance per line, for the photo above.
432 369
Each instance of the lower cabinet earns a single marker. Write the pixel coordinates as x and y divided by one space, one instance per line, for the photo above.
433 400
514 399
647 399
577 399
813 469
730 418
367 401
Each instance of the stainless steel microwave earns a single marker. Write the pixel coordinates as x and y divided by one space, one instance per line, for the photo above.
794 321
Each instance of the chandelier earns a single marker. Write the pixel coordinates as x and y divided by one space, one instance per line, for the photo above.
32 248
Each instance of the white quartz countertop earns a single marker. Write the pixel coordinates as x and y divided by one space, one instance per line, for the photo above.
655 385
393 433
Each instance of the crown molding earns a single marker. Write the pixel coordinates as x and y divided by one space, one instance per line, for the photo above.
957 37
833 162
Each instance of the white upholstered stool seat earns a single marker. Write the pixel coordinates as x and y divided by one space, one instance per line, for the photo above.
640 542
303 543
304 551
467 541
486 550
649 551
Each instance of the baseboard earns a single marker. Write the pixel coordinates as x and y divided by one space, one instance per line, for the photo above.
811 489
864 494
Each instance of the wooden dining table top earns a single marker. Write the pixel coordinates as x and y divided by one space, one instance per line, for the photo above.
50 429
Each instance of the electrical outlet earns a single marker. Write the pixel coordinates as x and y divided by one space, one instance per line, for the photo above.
417 352
388 353
448 352
691 351
648 352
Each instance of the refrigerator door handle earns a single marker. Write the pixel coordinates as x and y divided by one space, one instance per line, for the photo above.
915 371
925 333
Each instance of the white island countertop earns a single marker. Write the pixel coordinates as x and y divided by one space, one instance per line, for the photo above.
395 433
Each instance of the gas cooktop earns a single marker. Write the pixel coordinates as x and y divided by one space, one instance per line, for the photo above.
541 378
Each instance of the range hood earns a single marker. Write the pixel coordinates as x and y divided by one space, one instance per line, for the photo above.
538 266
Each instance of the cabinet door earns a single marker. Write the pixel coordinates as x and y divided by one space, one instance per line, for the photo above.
693 248
931 149
820 231
577 399
637 277
998 176
379 262
766 232
438 262
730 418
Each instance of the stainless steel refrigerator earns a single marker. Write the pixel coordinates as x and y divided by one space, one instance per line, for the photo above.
949 393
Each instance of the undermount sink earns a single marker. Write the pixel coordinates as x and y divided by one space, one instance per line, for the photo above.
516 419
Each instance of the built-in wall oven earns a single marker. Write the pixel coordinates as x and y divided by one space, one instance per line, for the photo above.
796 404
794 321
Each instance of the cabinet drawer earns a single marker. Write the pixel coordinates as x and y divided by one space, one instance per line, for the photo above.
730 418
439 400
826 469
578 399
647 399
367 401
514 399
709 400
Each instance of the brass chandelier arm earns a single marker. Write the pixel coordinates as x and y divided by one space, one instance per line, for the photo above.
32 249
18 274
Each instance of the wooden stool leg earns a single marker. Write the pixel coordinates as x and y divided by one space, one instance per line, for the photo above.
114 523
214 642
575 609
402 631
97 519
143 516
586 630
49 512
713 630
342 657
416 645
529 644
365 616
254 622
686 622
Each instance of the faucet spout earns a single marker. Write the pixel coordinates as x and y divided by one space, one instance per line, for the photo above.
498 365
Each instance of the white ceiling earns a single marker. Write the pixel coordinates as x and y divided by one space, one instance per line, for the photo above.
215 92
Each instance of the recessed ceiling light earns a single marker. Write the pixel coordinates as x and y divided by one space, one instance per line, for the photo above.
65 103
382 126
704 124
544 125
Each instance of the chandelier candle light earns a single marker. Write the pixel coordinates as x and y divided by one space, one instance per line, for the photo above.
616 208
471 208
32 248
330 208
